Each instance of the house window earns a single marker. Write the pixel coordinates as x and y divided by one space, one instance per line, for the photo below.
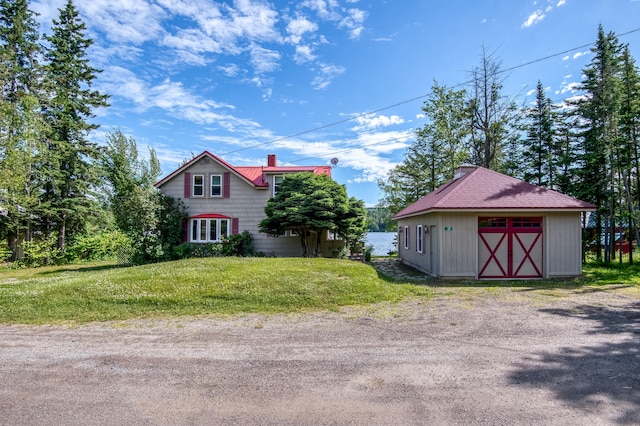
198 186
277 180
419 238
208 230
406 237
216 185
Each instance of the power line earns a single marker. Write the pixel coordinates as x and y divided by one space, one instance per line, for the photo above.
364 114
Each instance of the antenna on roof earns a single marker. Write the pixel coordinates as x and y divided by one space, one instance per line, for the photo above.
334 162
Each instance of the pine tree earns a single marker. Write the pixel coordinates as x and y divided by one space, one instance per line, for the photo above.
20 120
539 149
629 161
601 111
70 171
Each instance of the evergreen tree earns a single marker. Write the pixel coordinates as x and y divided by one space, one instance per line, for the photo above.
310 204
629 161
69 173
601 112
20 120
539 150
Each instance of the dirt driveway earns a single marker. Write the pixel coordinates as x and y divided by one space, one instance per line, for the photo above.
468 356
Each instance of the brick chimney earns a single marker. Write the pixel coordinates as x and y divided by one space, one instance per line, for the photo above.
271 160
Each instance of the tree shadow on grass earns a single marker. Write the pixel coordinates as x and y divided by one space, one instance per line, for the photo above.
82 268
592 377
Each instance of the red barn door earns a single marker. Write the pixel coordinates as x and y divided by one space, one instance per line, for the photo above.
510 247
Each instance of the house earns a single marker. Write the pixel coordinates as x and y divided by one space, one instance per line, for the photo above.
486 225
223 200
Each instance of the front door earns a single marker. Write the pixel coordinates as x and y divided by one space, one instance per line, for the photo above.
510 247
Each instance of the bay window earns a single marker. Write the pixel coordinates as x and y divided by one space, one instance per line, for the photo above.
208 230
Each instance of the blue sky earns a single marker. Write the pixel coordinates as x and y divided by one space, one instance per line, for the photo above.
300 79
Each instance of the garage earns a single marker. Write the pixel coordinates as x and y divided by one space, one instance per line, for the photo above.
486 225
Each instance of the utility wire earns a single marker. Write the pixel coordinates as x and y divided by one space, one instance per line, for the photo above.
375 111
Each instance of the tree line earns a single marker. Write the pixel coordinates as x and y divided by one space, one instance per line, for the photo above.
58 188
587 146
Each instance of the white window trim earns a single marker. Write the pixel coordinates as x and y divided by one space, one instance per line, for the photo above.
275 188
419 242
197 223
193 185
220 185
406 237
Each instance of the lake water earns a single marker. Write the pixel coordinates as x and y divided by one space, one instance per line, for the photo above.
382 242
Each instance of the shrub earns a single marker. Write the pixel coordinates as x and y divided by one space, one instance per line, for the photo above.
5 252
99 246
234 245
41 251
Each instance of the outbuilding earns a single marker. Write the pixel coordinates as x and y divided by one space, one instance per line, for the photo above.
487 225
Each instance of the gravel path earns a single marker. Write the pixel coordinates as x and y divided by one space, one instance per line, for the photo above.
468 356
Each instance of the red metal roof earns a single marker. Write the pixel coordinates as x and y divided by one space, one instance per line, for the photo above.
253 175
484 189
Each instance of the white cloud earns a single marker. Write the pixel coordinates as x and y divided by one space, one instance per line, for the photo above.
538 15
264 60
231 70
303 54
373 121
578 54
325 75
326 9
298 27
533 19
354 22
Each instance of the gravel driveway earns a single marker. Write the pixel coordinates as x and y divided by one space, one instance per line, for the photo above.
467 356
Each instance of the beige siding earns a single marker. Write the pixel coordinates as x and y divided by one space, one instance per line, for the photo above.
245 203
427 261
563 244
455 249
459 242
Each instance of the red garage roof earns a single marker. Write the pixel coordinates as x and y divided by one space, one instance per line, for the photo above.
484 189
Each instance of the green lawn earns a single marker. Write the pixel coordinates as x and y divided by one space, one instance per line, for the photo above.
101 292
223 286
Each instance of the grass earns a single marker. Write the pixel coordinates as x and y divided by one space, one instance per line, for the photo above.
595 272
78 294
220 286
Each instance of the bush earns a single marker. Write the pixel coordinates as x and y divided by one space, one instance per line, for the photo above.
100 246
5 252
41 251
234 245
367 253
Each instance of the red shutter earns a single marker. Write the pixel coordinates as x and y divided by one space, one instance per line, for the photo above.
187 185
234 226
226 190
185 230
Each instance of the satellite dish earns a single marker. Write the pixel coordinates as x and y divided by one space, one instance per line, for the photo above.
334 161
